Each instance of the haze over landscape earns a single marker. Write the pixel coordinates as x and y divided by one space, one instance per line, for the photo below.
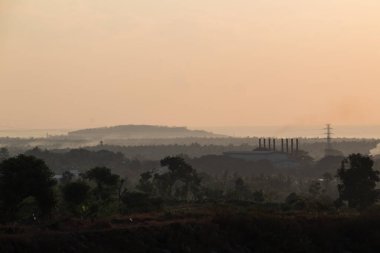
81 64
309 131
167 126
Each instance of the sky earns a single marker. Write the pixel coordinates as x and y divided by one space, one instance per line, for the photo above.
86 63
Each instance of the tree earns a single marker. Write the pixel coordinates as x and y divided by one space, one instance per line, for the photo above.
329 185
358 181
315 189
23 177
145 183
106 182
75 195
241 191
67 177
4 154
107 187
176 179
181 180
163 184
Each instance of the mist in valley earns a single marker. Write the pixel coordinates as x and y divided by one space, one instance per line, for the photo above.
189 126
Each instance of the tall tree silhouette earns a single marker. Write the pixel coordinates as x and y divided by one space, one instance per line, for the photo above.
22 177
358 181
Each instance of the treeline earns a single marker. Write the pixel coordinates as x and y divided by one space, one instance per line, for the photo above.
29 193
155 149
174 207
214 165
217 171
83 159
314 147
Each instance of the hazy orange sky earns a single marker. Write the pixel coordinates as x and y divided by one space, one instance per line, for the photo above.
86 63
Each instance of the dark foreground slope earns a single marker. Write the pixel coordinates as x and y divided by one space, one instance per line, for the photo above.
216 231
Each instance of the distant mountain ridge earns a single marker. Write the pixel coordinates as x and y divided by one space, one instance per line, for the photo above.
139 132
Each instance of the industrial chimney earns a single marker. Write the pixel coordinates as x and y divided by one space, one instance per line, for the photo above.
291 145
287 145
282 145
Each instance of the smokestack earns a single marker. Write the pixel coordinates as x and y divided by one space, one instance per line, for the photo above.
269 143
265 143
297 145
291 145
282 145
259 143
287 145
274 144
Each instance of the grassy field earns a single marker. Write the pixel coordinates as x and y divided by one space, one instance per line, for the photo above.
201 228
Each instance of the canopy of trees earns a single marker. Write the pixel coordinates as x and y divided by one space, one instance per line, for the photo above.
358 181
22 177
180 181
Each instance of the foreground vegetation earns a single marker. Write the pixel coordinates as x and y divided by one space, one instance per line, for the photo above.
174 208
231 227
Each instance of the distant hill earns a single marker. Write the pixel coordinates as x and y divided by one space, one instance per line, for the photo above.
139 132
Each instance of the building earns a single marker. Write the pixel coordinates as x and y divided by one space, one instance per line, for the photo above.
283 158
